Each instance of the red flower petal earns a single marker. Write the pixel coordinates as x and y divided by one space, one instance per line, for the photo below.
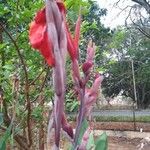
38 37
40 16
73 43
77 33
70 44
46 50
90 53
61 6
36 34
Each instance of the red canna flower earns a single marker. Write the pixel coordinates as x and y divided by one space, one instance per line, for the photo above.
39 39
38 34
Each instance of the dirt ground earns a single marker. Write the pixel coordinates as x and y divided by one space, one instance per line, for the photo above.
120 143
114 143
117 143
121 126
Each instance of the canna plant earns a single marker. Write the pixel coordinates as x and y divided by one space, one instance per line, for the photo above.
49 34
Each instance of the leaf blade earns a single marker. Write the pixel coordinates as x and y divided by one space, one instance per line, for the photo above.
101 143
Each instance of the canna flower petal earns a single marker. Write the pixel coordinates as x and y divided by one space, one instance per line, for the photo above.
61 6
77 33
40 17
73 43
39 39
88 64
70 45
38 34
75 70
96 85
92 94
90 53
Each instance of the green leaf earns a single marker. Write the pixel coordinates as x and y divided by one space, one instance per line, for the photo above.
8 67
22 2
82 130
3 10
101 143
2 45
4 139
90 143
74 105
1 118
69 3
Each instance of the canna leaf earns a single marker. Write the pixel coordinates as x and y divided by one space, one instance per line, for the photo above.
82 130
101 143
90 143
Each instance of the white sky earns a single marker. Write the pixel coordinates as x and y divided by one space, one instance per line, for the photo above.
114 17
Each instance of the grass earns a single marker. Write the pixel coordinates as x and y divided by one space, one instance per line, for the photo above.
145 119
122 119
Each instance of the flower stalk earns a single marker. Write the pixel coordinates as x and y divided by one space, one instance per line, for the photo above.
56 35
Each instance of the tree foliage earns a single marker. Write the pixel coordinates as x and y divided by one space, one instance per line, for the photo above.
125 47
92 28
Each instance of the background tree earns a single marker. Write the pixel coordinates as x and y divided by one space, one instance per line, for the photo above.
125 46
143 3
138 15
94 29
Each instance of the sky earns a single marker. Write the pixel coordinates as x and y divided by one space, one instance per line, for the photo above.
115 16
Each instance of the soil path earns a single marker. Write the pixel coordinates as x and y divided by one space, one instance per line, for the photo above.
121 143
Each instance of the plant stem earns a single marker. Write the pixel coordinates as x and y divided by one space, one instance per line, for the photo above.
80 118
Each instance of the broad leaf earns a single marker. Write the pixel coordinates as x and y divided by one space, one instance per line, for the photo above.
101 143
82 130
90 143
